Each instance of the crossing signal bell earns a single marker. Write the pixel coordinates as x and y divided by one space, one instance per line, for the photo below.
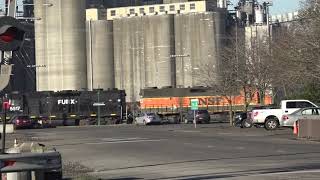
12 33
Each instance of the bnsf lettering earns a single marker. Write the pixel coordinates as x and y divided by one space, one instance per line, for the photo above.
214 100
202 101
67 101
209 101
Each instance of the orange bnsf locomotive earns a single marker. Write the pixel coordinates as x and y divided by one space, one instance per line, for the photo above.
171 99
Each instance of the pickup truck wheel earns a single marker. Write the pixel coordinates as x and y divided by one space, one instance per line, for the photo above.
271 124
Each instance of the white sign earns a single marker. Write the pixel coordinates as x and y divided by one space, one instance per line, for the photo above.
14 108
99 104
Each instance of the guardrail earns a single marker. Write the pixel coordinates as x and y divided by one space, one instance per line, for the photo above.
46 162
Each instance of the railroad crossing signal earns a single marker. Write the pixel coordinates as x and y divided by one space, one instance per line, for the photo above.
12 33
194 104
6 105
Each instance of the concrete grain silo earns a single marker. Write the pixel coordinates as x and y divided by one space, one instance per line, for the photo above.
142 49
158 46
129 56
60 45
100 66
198 39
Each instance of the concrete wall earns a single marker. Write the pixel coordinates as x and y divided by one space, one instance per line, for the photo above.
158 46
128 56
200 38
100 66
60 45
143 46
142 49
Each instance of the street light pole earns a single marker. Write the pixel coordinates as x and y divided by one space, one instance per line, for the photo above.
90 55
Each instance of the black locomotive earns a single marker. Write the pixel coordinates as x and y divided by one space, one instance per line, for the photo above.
70 107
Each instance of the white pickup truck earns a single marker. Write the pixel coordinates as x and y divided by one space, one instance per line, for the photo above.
271 118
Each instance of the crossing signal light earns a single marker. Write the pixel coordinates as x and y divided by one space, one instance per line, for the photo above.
12 33
6 105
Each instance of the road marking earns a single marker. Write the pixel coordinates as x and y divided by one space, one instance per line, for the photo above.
240 148
120 139
187 143
293 172
126 141
280 151
225 133
187 131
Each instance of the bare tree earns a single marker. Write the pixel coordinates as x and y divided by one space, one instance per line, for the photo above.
224 83
223 76
296 51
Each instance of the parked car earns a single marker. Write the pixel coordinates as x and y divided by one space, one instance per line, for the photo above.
23 121
169 119
270 118
147 118
242 120
202 116
304 113
43 123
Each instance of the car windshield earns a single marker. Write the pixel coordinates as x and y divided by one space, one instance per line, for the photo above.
202 112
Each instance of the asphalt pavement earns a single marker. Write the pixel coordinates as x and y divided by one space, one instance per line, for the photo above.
214 151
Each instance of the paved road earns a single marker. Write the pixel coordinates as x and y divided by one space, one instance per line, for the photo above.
213 151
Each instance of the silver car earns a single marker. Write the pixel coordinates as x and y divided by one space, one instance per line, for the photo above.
304 113
147 118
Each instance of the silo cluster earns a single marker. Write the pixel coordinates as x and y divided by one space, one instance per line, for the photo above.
129 53
166 50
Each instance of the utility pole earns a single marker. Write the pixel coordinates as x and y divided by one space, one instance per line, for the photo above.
99 119
5 106
269 29
98 104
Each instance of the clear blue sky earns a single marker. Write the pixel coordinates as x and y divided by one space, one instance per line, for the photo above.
280 6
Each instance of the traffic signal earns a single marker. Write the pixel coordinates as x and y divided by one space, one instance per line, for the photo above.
6 105
12 33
